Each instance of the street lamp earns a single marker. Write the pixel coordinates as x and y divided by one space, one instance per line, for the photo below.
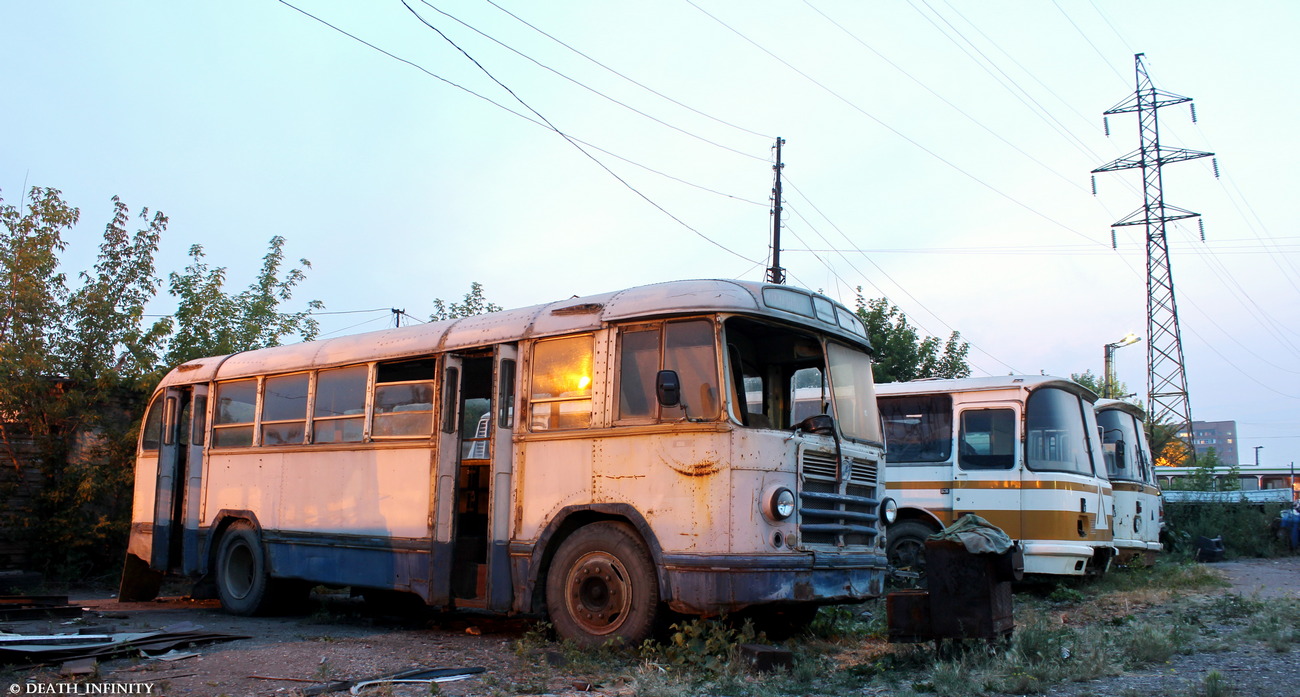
1108 380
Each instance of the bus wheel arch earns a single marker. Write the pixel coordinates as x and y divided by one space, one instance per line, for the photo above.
602 585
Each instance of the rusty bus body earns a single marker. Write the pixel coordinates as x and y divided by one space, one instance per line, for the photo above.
1022 452
595 460
1139 507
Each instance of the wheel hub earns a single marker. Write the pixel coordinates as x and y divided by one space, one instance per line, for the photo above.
598 593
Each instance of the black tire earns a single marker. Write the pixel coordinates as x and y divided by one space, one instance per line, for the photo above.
243 584
906 546
601 587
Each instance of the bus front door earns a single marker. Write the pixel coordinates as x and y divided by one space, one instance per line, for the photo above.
474 468
986 480
180 478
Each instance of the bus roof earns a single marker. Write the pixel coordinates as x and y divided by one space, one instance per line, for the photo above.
550 319
995 382
1121 405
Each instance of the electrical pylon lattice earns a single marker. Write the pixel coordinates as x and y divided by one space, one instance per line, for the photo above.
1167 400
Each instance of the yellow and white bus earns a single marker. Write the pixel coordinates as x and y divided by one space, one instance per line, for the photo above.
1139 508
594 460
1021 451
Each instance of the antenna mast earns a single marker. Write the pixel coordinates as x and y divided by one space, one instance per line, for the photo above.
776 274
1166 375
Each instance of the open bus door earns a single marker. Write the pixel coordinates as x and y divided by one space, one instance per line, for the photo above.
180 478
471 564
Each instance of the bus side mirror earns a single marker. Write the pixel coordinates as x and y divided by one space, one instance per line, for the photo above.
1119 454
668 388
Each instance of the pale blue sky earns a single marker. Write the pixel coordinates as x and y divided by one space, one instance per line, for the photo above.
961 167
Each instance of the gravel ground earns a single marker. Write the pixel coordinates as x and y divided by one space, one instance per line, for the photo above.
1251 670
341 641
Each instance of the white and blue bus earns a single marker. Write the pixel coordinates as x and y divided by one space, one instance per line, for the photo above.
594 460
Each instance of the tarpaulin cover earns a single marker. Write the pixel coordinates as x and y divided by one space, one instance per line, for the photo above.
979 536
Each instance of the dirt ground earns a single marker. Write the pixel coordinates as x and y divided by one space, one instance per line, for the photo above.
342 640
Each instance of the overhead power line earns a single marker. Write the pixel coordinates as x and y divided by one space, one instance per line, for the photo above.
625 77
851 104
543 123
571 141
589 88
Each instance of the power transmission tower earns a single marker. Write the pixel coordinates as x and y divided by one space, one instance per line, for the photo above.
776 274
1166 375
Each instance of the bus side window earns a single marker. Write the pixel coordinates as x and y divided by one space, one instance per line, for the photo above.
284 410
638 364
404 398
151 432
561 385
232 424
690 349
340 412
917 428
987 439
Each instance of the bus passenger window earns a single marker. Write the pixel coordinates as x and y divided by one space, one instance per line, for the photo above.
404 399
917 428
284 410
232 424
340 412
562 374
987 439
151 432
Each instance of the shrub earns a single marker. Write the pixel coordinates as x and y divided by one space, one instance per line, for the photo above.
1244 527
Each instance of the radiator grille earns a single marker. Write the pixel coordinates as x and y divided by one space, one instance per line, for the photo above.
834 510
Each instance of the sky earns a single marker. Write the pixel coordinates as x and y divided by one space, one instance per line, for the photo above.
937 153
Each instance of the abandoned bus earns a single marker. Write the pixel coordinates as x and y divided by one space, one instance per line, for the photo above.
1139 509
595 460
1020 451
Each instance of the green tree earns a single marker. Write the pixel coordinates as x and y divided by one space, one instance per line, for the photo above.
71 384
901 353
77 366
212 322
1096 383
1202 478
473 304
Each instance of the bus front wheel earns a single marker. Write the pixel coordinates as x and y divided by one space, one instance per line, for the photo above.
906 547
243 583
601 586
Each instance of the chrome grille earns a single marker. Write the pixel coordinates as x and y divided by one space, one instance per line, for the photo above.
832 510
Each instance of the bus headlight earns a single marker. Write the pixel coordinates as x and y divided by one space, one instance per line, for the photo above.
889 510
779 504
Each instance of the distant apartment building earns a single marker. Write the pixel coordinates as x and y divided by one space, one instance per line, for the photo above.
1220 435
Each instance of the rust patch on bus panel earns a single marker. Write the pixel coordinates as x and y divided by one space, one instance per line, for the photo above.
700 468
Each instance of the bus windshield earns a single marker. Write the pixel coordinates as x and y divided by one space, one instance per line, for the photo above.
1057 433
1129 461
779 376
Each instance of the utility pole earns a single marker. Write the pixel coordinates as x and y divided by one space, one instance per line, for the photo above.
1257 447
1166 374
397 316
776 274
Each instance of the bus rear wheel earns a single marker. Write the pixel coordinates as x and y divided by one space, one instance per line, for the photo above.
601 587
243 584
